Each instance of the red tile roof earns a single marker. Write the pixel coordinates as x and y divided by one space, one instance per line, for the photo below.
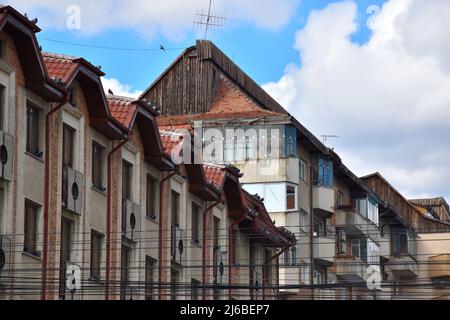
170 141
59 66
122 109
215 174
184 121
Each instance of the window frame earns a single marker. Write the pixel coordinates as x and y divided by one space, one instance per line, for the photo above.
33 121
151 194
291 194
196 225
127 180
95 271
34 224
97 167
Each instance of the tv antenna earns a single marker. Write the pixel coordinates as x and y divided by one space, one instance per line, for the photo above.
209 20
325 137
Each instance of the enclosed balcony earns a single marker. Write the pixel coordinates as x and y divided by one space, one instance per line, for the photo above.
351 269
324 250
323 201
439 266
349 219
403 261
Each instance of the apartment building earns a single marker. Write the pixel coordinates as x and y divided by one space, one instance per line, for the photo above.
305 185
414 245
239 239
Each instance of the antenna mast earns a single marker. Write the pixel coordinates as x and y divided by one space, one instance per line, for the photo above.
209 20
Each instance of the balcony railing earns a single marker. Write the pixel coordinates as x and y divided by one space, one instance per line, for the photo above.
355 224
324 250
351 269
439 266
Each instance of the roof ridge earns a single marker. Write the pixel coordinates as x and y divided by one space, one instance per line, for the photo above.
58 56
119 97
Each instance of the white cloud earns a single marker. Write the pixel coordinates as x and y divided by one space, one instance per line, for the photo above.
171 18
119 89
388 100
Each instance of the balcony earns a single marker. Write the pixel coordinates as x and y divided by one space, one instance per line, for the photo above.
385 250
351 269
355 224
403 266
324 250
439 266
323 201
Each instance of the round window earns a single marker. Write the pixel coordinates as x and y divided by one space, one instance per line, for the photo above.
180 246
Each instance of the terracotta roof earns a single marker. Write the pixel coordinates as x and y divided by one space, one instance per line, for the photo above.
170 141
122 109
215 174
59 66
185 120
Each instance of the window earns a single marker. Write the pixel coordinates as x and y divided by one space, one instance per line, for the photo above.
97 165
96 254
150 268
294 256
151 197
30 233
175 208
174 279
291 198
235 246
127 178
196 222
33 115
340 199
290 141
359 248
195 289
341 244
318 278
323 172
2 48
303 272
68 146
302 170
125 258
287 258
65 253
303 220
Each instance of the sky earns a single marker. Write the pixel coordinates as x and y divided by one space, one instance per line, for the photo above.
376 73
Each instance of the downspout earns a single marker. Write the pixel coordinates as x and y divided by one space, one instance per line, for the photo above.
160 246
311 230
47 196
230 250
108 216
204 244
276 256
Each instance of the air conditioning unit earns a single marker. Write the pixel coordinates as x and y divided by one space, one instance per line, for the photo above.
177 245
6 155
131 219
72 190
5 257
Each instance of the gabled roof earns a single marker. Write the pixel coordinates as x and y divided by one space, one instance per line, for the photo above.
196 175
130 113
22 32
65 69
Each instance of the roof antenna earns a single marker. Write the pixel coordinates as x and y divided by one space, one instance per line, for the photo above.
209 20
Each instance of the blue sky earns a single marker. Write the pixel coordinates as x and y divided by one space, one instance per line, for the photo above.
381 87
251 47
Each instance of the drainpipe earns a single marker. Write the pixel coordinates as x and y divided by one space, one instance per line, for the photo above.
204 244
311 230
160 246
276 256
230 249
47 196
108 216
